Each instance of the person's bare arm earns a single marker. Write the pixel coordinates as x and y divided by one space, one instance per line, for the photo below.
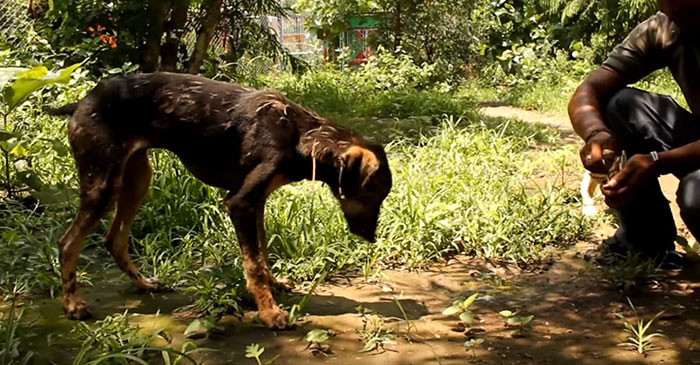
586 113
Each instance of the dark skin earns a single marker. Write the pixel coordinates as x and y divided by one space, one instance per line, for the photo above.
585 111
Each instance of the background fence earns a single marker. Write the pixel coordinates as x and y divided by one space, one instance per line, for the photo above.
15 22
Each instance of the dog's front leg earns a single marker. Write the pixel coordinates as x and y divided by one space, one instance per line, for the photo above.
242 207
280 284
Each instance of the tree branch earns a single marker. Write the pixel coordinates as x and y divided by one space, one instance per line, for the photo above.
212 14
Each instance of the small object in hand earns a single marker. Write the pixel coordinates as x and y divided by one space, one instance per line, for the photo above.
591 180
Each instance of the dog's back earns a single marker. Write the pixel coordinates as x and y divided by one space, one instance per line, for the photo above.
146 103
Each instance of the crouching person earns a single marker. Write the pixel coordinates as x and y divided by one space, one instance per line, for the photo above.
658 135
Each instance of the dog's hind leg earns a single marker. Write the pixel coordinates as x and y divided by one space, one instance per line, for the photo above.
97 190
136 180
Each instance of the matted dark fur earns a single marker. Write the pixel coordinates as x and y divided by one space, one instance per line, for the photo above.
246 141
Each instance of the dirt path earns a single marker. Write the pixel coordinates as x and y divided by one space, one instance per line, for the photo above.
574 321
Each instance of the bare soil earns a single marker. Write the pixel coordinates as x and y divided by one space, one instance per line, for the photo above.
574 311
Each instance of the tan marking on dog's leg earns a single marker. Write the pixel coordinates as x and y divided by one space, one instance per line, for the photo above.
259 285
135 183
94 203
257 276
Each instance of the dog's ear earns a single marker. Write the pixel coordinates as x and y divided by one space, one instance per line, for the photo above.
358 164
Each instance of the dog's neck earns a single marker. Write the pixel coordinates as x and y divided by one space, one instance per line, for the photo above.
323 145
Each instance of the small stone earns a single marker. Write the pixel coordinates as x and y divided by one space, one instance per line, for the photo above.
485 298
458 329
196 335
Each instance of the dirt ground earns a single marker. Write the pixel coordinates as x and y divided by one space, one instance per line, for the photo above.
574 312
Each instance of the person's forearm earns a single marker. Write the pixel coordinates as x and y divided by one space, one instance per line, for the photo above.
685 158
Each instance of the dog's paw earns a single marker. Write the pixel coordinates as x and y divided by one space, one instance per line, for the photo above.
76 309
150 285
275 318
284 284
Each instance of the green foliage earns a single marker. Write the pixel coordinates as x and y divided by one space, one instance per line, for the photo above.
600 23
639 336
198 324
374 334
519 324
436 32
430 32
295 312
12 329
629 273
253 351
471 344
114 33
388 86
30 81
114 340
461 307
82 29
218 291
317 336
331 17
13 94
29 248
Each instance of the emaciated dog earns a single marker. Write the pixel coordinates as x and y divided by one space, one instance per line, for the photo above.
246 141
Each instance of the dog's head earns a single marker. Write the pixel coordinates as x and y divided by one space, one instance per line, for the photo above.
364 183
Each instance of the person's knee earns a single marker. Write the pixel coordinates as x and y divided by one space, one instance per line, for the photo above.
688 197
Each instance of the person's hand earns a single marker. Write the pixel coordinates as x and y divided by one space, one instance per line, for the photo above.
592 156
637 171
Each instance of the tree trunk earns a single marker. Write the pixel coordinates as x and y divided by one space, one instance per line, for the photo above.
150 53
174 30
211 17
233 40
397 26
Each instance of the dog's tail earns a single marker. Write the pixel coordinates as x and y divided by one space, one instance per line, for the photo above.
65 110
